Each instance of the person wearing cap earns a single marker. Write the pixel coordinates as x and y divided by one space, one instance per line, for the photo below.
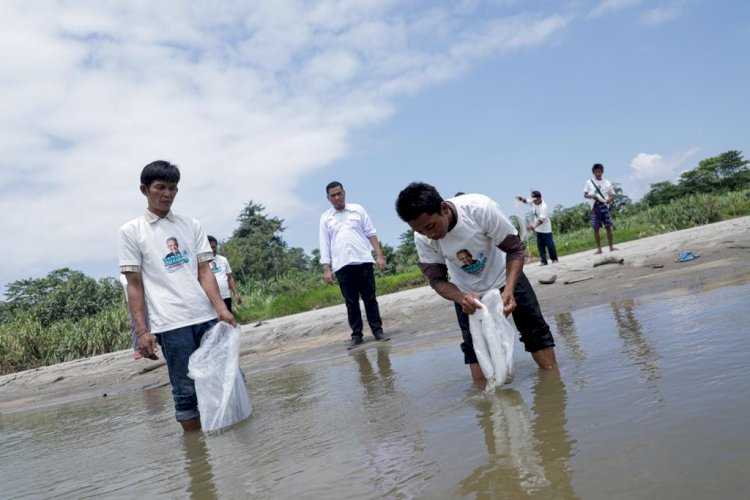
542 226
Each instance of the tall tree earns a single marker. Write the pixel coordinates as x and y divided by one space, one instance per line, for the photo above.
257 251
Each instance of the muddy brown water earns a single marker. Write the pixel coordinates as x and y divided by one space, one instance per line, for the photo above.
652 401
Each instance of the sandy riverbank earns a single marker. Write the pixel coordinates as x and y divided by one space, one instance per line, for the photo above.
414 315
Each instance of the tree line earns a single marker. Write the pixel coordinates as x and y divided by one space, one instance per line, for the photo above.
258 253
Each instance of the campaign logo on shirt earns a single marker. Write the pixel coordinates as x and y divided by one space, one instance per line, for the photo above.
214 267
176 258
469 263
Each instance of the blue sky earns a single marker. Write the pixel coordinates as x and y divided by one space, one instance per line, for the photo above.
270 100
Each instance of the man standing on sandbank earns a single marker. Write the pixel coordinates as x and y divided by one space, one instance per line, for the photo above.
445 228
600 194
346 235
179 289
542 226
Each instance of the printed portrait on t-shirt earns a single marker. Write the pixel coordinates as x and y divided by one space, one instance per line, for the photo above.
176 258
215 267
469 263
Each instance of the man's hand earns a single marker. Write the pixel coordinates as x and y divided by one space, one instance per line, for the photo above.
238 297
381 263
509 302
529 227
147 345
227 317
470 303
328 275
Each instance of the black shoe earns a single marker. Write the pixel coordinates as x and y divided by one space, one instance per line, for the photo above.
355 341
381 336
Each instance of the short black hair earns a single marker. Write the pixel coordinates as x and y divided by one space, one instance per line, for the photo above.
597 165
211 239
159 170
536 194
460 193
332 185
416 199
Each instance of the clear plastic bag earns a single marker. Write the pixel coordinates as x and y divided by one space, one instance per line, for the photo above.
223 398
493 338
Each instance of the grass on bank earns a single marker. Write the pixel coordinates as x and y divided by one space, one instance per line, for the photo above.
25 343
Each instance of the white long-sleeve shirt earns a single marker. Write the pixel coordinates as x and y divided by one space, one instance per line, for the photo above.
344 236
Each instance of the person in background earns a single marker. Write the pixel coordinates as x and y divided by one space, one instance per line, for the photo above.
542 226
346 235
224 278
600 194
179 290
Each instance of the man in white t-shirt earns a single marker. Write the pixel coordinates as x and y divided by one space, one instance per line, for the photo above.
346 236
471 239
542 226
165 259
224 278
600 194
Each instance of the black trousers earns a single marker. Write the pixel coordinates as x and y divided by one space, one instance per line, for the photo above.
355 281
543 242
535 332
228 302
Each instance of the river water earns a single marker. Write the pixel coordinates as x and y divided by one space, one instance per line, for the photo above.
652 401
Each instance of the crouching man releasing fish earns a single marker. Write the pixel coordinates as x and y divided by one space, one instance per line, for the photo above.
469 238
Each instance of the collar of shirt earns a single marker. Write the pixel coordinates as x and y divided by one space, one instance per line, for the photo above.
152 217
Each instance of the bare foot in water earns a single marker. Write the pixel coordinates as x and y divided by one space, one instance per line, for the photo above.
612 249
597 252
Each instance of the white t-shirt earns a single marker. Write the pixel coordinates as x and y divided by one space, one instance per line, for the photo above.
174 297
220 267
541 212
481 226
344 236
604 186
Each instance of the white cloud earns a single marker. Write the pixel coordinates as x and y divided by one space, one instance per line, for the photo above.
610 6
655 167
649 168
247 97
661 15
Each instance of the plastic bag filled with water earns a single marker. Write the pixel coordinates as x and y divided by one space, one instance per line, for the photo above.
493 337
223 399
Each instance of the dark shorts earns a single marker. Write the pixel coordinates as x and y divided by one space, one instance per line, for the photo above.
535 332
228 303
600 216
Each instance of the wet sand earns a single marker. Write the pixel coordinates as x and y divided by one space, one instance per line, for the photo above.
415 315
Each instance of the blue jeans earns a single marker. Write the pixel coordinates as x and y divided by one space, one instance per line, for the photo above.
176 347
543 243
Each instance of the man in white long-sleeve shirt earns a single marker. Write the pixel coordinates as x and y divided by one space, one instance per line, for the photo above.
346 238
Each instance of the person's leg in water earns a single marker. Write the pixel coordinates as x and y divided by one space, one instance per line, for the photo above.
536 335
176 347
467 346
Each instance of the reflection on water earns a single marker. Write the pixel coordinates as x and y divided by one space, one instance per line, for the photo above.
526 456
391 442
639 349
404 420
198 466
566 331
